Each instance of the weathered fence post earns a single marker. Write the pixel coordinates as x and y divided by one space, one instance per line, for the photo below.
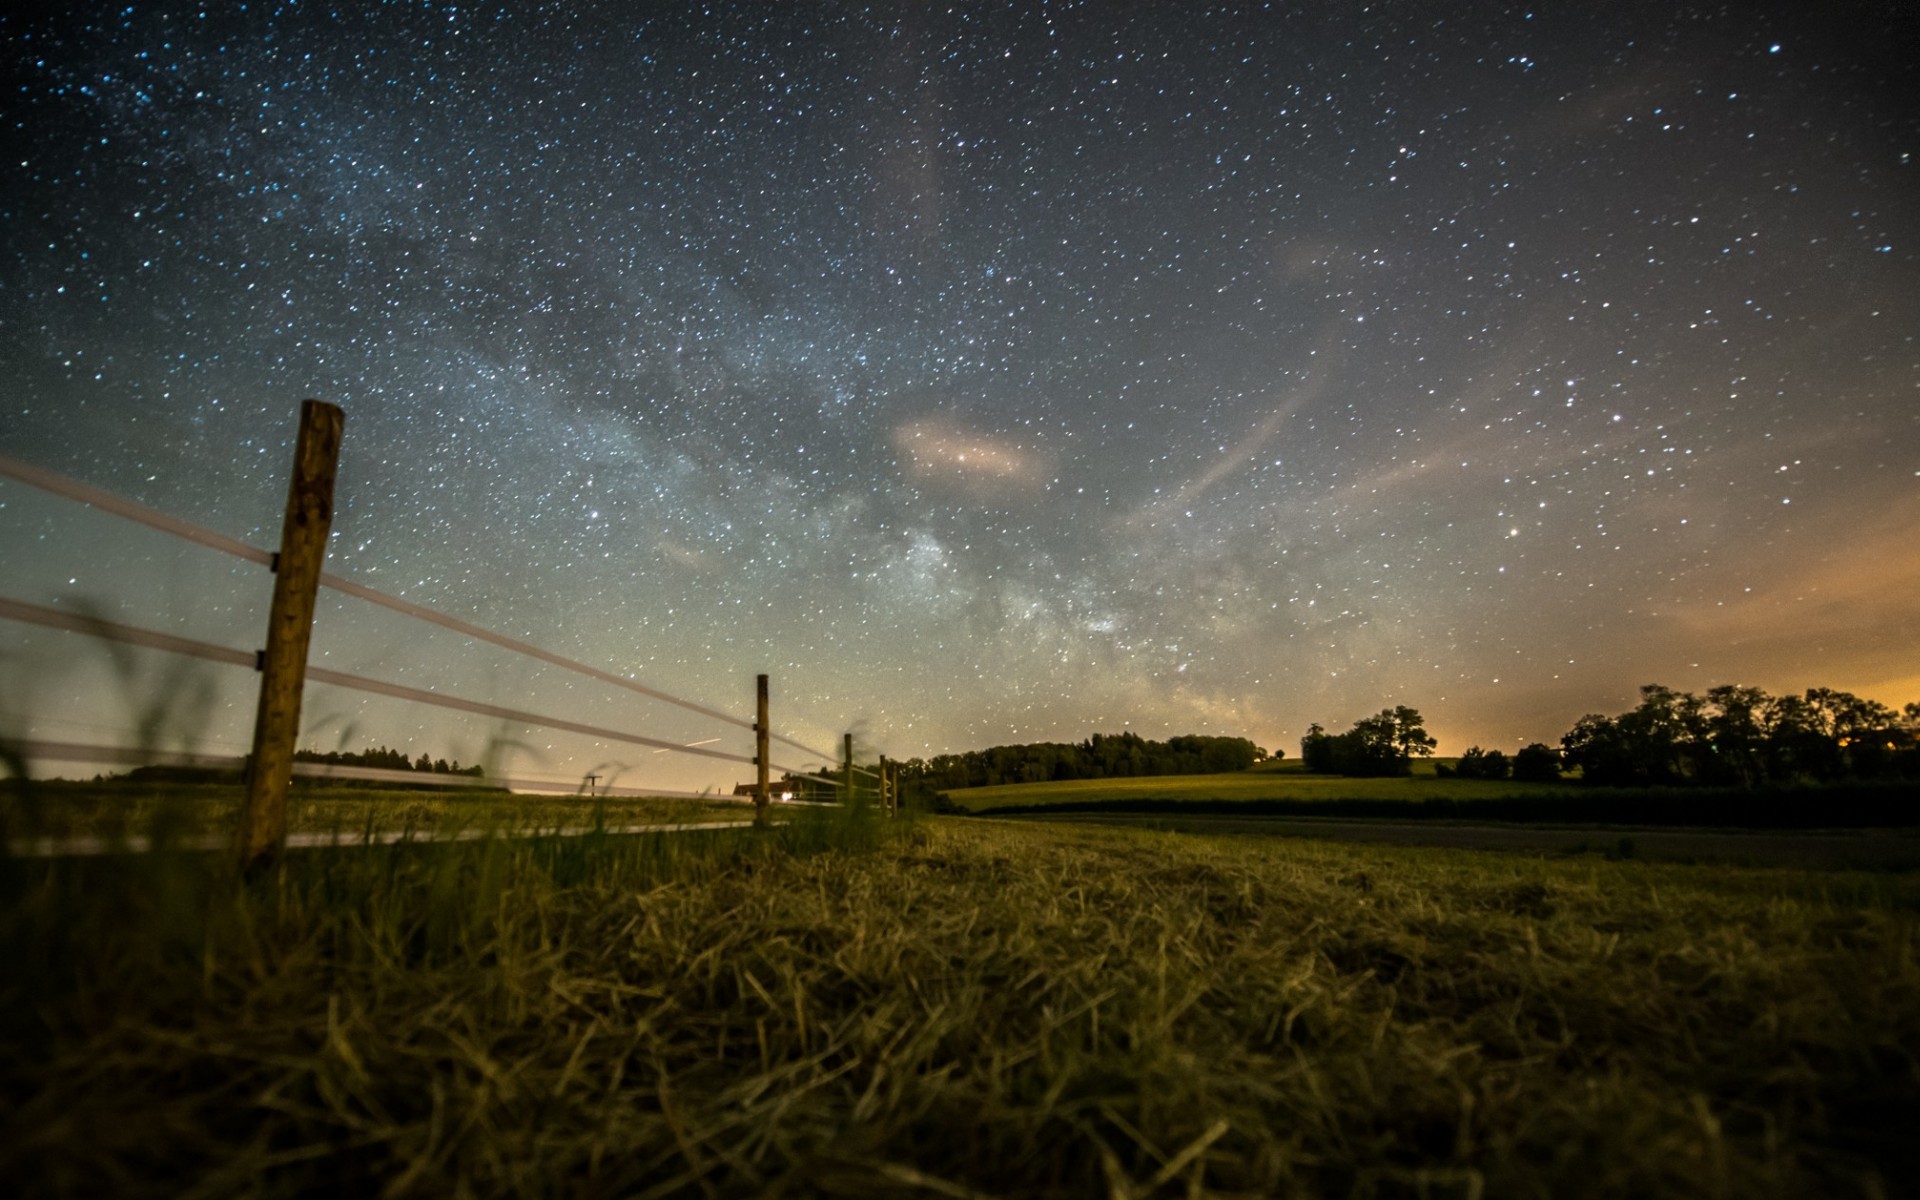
846 770
761 786
886 792
283 664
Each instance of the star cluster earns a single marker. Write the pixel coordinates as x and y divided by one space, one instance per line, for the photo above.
1001 372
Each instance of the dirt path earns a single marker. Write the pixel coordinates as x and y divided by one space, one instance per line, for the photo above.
1880 849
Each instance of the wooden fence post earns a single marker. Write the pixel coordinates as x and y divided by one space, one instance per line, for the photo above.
886 792
761 786
846 771
283 664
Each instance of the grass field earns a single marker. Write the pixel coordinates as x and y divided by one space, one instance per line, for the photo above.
1286 781
953 1008
1293 793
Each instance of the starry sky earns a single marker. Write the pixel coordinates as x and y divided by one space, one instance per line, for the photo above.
984 373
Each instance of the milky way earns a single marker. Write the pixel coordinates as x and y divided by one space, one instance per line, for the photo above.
1003 373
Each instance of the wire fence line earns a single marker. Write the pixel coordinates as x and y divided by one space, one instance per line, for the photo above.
72 489
298 570
53 618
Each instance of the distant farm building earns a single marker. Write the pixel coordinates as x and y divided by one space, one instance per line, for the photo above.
804 789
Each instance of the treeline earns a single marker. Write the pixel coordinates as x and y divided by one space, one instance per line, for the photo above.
1102 756
1536 763
1383 744
1732 737
387 760
1743 737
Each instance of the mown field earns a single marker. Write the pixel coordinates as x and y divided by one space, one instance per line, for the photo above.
1286 781
949 1007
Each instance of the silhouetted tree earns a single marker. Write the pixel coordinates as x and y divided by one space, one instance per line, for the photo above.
1316 749
1732 745
1742 737
1103 756
1482 764
1382 744
1410 733
1598 749
1536 763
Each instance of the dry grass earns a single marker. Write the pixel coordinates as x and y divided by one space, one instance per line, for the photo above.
956 1009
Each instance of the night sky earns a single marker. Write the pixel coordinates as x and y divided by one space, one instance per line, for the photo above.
985 374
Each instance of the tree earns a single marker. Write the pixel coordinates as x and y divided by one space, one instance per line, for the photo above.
1371 747
1482 764
1410 733
1639 748
1316 749
1536 763
1663 732
1865 732
1732 749
1798 745
1743 737
1381 744
1601 751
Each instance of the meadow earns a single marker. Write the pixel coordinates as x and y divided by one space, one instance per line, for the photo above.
1286 780
952 1007
1288 790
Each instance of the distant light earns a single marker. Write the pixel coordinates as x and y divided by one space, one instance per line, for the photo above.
1774 49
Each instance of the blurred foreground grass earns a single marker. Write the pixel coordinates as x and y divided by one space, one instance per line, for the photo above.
952 1008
